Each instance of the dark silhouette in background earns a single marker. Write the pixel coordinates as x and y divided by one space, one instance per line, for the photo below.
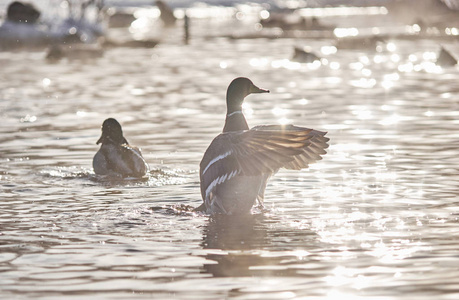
20 12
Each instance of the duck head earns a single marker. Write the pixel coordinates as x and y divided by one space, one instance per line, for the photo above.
112 133
238 89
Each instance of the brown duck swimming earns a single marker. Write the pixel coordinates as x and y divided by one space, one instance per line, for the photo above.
116 157
238 163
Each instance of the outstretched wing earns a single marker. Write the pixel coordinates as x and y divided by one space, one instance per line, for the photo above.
261 150
311 151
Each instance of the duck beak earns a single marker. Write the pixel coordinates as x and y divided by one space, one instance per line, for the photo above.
100 140
256 90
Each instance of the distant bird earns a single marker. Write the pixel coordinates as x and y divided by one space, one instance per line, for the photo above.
238 163
167 14
446 59
304 56
116 157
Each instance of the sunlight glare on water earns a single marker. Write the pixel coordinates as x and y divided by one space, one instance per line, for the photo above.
376 218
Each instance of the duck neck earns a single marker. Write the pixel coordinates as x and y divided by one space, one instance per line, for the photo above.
235 121
110 140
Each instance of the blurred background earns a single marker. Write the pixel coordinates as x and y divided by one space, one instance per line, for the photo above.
377 218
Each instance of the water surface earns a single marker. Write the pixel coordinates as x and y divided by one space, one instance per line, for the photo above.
377 218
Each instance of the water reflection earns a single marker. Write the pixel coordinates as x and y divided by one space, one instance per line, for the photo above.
253 245
246 232
232 245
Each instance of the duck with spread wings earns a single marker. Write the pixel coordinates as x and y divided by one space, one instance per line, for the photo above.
239 162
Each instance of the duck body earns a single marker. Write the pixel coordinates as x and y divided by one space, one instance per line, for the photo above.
116 158
238 163
225 188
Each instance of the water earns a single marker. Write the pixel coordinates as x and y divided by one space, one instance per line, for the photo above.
377 218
